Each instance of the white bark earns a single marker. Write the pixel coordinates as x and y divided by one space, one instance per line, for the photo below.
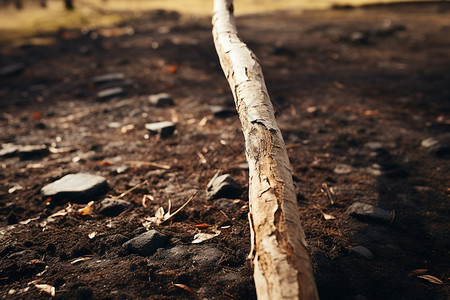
282 269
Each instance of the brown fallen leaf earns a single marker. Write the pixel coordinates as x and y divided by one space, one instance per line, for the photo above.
88 209
202 225
417 272
186 288
431 278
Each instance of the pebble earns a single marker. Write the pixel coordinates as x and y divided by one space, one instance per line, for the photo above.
108 77
110 93
223 186
164 128
75 186
9 150
32 151
374 146
367 211
222 111
12 69
342 169
359 37
146 243
112 207
160 100
436 147
362 252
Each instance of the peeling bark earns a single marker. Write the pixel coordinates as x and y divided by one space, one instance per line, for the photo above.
282 269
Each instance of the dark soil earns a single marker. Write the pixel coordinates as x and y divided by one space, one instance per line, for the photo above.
338 79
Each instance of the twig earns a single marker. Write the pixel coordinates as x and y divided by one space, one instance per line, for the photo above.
130 190
148 163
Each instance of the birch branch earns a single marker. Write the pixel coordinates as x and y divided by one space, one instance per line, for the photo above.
282 269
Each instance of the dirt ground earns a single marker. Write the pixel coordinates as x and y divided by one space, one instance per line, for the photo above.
356 91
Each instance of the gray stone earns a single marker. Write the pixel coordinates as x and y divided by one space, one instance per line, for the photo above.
110 93
12 69
160 100
362 252
342 169
374 146
113 207
207 256
164 128
367 211
222 111
108 77
75 186
146 243
32 151
223 186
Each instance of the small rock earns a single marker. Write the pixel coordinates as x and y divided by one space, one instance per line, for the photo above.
362 252
373 146
208 256
436 147
110 93
121 169
108 78
9 150
112 207
32 151
367 211
114 125
12 69
146 243
222 111
75 186
164 128
342 169
359 37
160 100
223 186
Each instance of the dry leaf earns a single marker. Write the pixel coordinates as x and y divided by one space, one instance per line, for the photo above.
328 217
146 198
431 279
417 272
186 288
201 237
88 209
46 288
92 235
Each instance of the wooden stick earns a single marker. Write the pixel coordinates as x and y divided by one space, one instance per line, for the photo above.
282 269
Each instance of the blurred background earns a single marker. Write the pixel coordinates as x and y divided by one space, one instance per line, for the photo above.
20 18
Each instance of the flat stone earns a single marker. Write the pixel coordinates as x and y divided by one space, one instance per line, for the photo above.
223 186
160 100
367 211
32 151
9 150
362 252
112 207
79 186
110 93
342 169
146 243
108 77
222 111
164 128
12 69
